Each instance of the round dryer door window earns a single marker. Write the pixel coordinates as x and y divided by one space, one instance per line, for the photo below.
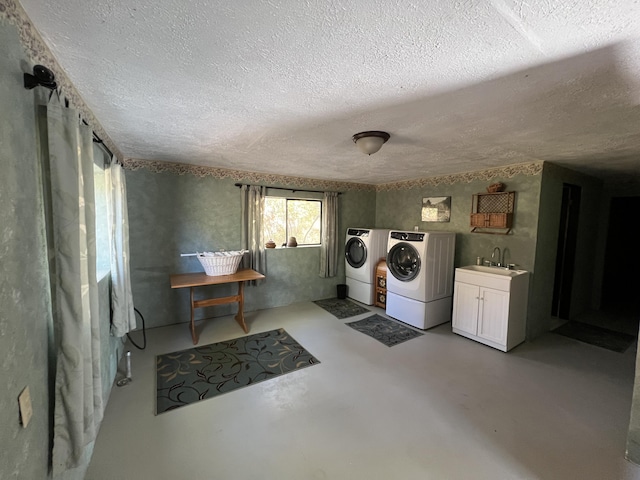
403 261
356 252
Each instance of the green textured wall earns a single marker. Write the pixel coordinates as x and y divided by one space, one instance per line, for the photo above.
170 214
401 209
24 298
25 321
589 248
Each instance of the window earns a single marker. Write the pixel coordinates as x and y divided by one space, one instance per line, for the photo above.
103 249
289 217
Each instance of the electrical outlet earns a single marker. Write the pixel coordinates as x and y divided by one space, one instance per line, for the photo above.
24 401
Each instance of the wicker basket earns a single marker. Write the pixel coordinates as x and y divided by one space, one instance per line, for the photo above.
220 263
495 187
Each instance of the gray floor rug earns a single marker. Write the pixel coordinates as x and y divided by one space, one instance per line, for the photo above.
341 308
203 372
384 330
598 336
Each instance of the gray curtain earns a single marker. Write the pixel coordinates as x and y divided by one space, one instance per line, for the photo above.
252 235
68 163
123 314
329 246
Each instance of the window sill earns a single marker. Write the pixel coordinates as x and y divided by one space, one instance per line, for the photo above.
293 248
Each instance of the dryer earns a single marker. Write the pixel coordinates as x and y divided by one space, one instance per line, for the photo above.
420 277
364 247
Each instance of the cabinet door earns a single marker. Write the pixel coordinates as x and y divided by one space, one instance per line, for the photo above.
498 220
494 315
478 220
465 307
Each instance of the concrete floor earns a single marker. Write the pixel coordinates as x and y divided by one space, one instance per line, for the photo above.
436 407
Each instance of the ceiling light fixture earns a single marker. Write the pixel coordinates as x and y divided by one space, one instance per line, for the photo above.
370 142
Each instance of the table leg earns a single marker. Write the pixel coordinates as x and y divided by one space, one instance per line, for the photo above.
193 324
240 315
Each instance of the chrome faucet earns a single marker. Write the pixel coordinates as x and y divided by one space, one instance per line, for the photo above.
498 263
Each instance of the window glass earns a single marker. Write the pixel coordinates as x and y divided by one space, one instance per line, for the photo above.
103 250
275 213
303 221
287 217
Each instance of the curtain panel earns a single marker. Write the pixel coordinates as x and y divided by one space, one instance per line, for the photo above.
122 308
68 165
252 235
330 237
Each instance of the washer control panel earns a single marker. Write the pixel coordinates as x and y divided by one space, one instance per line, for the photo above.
355 232
407 236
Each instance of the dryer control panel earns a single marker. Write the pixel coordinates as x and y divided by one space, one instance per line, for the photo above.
408 236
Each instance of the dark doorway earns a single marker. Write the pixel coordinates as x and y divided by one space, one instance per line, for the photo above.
565 257
620 280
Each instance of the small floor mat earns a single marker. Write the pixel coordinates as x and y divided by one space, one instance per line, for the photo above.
384 330
598 336
203 372
341 308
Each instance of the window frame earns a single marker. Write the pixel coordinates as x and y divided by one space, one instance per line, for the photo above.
306 196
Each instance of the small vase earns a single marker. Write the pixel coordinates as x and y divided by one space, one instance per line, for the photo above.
270 244
292 242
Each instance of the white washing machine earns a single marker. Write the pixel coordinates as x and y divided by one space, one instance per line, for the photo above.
420 277
364 247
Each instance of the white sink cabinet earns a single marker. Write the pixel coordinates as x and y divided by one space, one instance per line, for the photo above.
490 305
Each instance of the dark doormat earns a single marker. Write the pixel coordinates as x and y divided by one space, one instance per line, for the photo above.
598 336
384 330
203 372
341 308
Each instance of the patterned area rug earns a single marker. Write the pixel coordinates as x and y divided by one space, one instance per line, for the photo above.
203 372
598 336
384 330
341 308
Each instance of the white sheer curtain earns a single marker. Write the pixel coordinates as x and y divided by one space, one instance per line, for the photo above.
78 406
123 314
252 235
329 246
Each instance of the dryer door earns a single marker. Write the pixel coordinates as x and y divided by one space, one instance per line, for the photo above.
356 252
403 261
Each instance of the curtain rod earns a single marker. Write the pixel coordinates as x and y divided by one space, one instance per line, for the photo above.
239 185
42 76
96 138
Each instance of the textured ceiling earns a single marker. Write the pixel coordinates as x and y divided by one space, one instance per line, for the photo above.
280 86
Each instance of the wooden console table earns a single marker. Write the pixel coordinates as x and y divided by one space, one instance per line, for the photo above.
200 279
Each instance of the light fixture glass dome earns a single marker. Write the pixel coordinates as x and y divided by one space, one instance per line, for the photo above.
370 142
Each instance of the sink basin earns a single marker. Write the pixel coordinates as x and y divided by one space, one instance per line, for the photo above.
501 271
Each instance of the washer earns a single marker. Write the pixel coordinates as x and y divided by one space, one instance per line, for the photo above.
364 247
420 277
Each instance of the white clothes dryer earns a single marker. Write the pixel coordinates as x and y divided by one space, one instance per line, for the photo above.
420 277
364 247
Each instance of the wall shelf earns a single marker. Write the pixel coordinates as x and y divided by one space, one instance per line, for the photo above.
492 212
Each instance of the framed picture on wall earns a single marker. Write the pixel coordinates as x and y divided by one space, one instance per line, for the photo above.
436 209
